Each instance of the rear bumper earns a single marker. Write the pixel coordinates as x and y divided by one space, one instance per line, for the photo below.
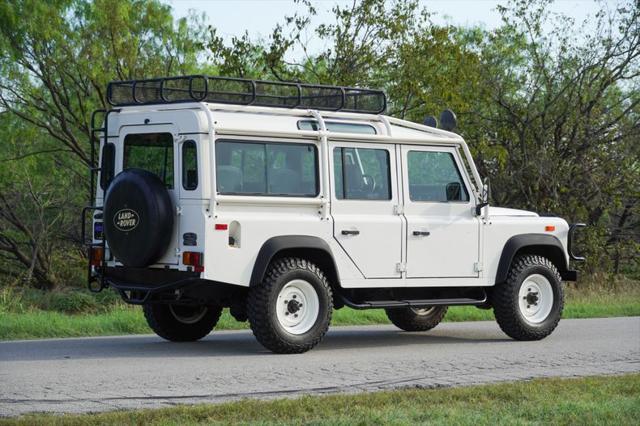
139 285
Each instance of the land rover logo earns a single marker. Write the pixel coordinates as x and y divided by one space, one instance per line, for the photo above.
126 220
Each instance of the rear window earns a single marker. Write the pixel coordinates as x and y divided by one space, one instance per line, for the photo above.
266 168
108 165
152 152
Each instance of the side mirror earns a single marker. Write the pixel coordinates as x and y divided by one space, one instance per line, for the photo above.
453 190
486 196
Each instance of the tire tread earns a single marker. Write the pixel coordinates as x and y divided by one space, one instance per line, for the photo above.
166 326
259 311
407 320
507 312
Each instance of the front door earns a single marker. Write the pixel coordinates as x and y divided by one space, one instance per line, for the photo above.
363 205
153 148
442 230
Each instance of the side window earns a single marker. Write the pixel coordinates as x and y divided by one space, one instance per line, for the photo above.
362 174
189 165
267 169
152 152
108 165
434 176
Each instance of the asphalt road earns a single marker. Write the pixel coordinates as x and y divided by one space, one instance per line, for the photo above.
107 373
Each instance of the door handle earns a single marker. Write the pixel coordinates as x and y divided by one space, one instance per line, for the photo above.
350 232
421 233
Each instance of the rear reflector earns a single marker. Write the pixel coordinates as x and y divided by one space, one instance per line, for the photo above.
193 258
549 228
96 256
221 227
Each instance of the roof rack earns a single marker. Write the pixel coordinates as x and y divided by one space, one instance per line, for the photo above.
240 91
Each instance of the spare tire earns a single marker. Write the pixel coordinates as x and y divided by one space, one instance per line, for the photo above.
138 218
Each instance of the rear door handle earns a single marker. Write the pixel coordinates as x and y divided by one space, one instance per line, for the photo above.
350 232
421 233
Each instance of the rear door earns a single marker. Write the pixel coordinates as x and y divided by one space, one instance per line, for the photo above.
363 205
154 148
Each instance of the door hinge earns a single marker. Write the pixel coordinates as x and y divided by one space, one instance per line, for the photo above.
477 267
401 267
178 210
398 209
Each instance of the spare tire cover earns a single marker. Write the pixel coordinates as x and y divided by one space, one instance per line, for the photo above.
138 218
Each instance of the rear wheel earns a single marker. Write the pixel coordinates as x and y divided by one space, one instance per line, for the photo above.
179 323
416 319
290 311
528 305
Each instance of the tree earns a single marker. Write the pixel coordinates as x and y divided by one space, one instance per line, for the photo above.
557 131
550 116
56 60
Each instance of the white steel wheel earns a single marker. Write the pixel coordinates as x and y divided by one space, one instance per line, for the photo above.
297 307
535 298
188 314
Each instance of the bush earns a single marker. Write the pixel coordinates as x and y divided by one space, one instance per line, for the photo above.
68 300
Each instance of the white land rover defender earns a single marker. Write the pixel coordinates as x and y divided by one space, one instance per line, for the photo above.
284 201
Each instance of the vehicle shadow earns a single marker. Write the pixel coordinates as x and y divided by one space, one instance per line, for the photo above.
233 343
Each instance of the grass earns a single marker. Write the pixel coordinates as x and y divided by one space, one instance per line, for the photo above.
601 400
29 314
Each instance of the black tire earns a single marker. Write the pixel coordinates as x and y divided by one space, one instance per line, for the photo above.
181 323
263 298
413 319
139 218
506 299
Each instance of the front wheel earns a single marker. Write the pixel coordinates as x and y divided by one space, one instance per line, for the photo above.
528 305
290 311
179 323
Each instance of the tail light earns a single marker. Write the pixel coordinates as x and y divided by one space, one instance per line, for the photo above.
193 258
96 254
98 231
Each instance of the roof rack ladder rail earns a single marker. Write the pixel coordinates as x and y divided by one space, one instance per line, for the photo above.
386 123
324 152
254 90
164 99
93 175
133 92
92 142
212 159
299 93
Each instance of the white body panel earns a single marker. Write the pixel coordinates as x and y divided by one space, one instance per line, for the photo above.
461 250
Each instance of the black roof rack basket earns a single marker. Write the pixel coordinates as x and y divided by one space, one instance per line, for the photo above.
240 91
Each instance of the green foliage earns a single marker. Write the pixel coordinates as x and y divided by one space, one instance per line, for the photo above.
30 314
551 116
56 60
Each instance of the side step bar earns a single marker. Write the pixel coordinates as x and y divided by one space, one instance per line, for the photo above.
421 303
